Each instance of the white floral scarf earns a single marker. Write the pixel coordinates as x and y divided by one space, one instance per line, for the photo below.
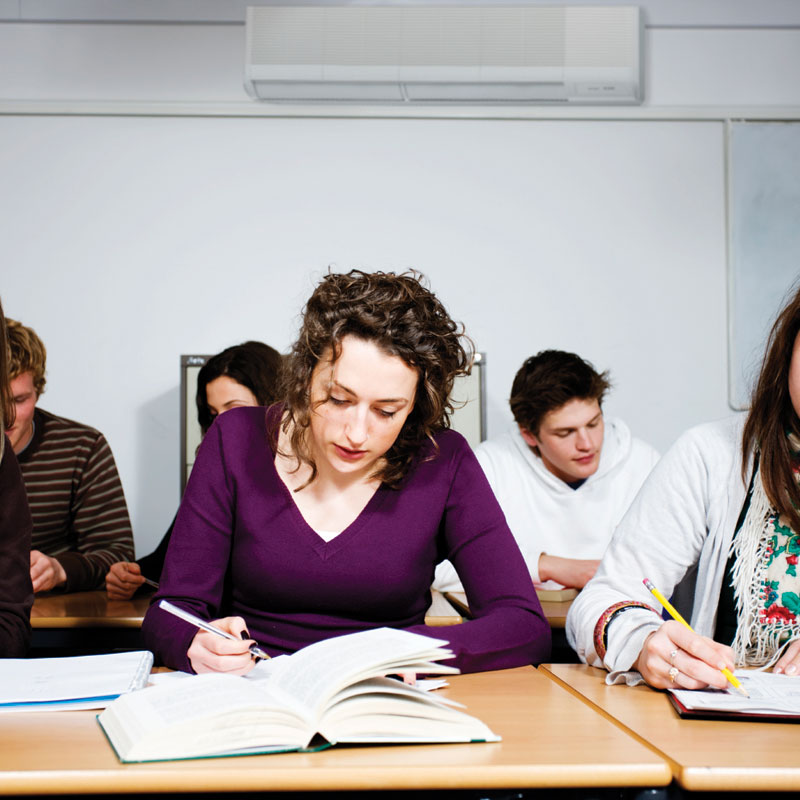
765 580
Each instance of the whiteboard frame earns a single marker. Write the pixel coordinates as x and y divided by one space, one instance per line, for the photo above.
763 191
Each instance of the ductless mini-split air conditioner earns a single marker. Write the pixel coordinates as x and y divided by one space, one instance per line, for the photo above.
444 54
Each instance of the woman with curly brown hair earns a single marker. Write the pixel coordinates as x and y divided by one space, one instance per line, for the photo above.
328 514
725 499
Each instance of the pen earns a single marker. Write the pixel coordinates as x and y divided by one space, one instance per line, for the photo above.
673 612
151 583
207 626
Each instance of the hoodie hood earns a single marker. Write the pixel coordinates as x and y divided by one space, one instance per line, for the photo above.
616 449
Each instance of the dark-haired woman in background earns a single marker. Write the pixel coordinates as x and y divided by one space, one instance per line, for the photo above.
16 590
243 375
725 498
327 514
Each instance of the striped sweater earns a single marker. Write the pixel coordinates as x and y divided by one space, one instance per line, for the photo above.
76 500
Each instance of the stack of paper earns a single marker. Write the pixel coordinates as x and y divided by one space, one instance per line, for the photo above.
55 684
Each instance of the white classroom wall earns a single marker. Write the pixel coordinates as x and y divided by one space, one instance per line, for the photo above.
149 209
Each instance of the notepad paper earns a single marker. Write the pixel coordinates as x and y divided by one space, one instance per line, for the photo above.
770 694
334 691
71 683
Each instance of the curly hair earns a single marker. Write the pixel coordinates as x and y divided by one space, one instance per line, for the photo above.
550 379
27 353
403 318
254 365
772 415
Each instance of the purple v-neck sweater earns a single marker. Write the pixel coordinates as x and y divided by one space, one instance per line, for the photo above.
241 547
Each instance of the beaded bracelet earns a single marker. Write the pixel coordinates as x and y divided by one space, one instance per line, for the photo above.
601 629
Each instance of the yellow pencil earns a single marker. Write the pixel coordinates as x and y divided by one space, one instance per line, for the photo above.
673 612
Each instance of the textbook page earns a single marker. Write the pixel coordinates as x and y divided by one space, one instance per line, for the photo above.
261 672
769 694
210 714
314 674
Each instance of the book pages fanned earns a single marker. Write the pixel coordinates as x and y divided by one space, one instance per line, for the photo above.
337 690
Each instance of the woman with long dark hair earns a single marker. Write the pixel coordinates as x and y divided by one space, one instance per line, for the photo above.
245 374
725 500
327 514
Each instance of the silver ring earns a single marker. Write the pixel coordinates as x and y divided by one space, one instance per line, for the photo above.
673 673
672 656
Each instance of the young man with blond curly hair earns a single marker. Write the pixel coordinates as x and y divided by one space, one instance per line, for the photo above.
80 518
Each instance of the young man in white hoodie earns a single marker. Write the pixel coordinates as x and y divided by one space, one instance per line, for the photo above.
564 476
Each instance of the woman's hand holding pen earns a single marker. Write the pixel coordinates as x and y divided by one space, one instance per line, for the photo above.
211 653
674 656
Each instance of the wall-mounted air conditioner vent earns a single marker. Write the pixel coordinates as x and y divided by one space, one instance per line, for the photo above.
444 54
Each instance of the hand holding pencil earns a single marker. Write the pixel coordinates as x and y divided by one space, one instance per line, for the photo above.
675 655
124 578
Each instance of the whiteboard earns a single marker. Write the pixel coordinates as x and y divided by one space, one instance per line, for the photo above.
764 198
132 240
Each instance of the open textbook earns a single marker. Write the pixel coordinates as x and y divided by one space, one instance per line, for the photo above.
771 697
334 691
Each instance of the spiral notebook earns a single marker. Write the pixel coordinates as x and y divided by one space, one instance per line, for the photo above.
71 683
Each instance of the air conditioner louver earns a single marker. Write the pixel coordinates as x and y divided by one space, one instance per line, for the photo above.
446 54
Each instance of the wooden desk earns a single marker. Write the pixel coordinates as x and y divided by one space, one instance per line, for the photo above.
550 739
556 612
88 610
69 621
85 622
95 610
704 755
441 612
81 623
